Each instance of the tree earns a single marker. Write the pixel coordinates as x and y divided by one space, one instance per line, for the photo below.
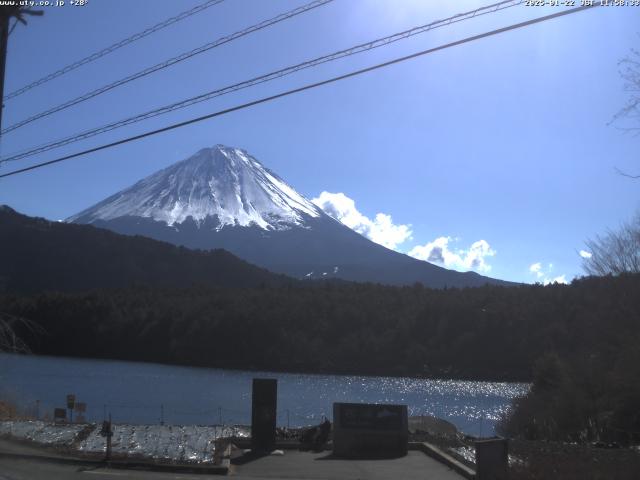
615 252
630 73
10 341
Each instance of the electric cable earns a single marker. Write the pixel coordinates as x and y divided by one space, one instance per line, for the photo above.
112 48
167 63
304 88
379 42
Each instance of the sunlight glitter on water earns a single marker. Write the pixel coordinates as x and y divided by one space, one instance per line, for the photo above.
142 393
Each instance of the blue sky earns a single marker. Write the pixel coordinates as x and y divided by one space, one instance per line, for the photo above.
497 151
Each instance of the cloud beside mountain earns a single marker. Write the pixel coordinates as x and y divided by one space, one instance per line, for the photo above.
439 251
382 230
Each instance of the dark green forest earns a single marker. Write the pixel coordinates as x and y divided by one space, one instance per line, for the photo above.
578 342
80 291
484 333
39 255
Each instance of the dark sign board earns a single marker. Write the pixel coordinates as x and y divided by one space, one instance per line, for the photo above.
263 414
371 430
71 400
59 413
373 417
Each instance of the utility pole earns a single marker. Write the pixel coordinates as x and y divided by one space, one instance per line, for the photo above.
6 13
4 39
107 431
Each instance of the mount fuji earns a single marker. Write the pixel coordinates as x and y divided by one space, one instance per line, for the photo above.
222 197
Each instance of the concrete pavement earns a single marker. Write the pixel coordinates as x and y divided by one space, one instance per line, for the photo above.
293 464
323 466
11 469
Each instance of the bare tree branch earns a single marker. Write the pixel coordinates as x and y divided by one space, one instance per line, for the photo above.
615 252
620 172
9 340
629 68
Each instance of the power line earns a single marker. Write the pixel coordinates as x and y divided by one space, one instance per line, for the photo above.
264 78
113 48
167 63
304 88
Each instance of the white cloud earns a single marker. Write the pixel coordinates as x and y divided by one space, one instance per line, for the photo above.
381 229
585 254
438 251
537 270
558 279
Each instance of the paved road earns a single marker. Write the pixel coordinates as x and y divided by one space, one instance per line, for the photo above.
293 465
322 466
7 446
32 470
12 469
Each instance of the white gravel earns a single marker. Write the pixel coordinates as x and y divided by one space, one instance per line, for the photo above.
181 443
41 432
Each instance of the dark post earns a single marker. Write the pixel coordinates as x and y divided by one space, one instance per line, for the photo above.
6 13
71 402
263 414
4 39
107 431
492 459
109 435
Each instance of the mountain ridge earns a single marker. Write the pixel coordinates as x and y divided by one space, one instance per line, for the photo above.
222 197
40 254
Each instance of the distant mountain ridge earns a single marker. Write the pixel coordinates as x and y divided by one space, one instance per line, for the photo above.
39 255
222 197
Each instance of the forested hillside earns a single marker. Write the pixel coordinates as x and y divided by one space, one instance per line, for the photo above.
483 333
38 255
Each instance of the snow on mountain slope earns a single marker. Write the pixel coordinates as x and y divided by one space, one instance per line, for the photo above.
222 197
221 182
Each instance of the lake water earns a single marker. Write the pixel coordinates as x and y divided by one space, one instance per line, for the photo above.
149 393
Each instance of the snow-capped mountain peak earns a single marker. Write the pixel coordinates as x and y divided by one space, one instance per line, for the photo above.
222 182
223 198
